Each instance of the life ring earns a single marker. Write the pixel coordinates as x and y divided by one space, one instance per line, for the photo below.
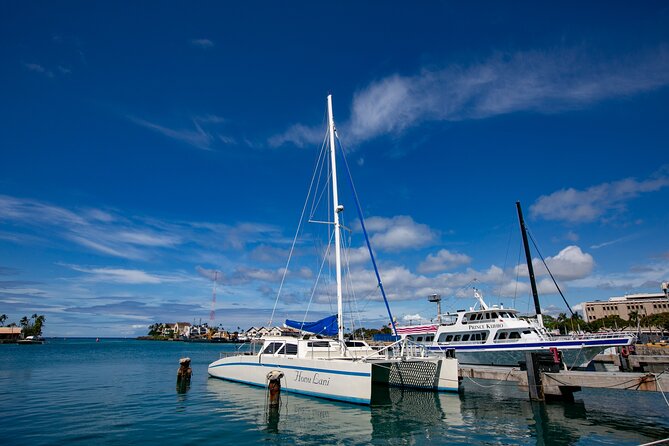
624 352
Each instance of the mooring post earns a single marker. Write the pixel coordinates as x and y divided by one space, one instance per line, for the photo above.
534 377
274 386
183 374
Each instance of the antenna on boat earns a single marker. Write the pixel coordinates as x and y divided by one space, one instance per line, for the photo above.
479 297
212 313
436 298
530 269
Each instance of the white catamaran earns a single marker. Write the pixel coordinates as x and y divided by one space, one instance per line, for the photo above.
497 336
339 369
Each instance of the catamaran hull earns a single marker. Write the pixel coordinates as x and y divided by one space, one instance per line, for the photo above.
336 380
574 353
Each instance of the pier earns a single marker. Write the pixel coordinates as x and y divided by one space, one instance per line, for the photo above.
543 385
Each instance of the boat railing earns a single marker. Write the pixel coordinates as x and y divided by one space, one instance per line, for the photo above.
401 349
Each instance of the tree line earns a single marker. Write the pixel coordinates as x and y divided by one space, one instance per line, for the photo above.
565 323
29 326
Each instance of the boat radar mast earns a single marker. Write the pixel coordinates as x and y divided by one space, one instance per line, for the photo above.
436 298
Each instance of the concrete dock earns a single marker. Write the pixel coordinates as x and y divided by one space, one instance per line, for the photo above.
563 384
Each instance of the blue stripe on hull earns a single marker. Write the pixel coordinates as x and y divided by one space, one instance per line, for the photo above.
535 345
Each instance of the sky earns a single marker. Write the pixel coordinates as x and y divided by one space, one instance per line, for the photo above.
148 147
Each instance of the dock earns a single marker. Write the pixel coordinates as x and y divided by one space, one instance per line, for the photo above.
562 384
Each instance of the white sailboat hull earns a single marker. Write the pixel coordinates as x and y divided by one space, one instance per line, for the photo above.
341 380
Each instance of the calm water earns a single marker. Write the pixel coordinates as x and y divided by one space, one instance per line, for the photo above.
123 392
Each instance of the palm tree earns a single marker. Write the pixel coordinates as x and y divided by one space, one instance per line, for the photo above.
3 318
562 322
37 326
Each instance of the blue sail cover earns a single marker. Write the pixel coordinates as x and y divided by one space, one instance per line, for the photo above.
325 327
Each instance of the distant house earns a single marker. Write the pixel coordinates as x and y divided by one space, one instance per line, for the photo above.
254 332
261 332
174 330
198 331
9 334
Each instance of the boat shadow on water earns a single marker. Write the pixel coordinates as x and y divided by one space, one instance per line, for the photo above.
475 417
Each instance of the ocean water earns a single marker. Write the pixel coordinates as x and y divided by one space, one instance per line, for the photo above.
82 392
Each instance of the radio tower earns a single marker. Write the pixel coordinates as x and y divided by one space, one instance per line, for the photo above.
212 313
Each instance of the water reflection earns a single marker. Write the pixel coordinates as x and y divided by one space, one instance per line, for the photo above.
474 417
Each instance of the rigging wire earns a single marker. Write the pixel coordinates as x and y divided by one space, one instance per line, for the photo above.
292 247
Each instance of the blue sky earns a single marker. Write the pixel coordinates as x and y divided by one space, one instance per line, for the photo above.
145 146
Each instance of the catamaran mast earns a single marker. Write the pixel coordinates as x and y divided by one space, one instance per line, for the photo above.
337 209
530 269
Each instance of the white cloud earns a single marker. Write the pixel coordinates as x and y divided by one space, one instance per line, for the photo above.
442 261
583 206
399 233
570 263
202 43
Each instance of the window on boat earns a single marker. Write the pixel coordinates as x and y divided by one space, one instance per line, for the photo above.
445 337
312 344
429 338
484 335
356 344
291 349
527 331
487 316
514 335
493 315
501 335
465 338
476 336
456 338
272 348
419 339
479 316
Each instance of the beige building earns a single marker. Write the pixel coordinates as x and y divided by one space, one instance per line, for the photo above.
645 304
9 334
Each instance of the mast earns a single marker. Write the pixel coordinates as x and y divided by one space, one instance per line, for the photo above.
337 209
530 269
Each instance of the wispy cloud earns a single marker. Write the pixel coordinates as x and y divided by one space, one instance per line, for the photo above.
202 43
204 132
298 134
613 242
111 233
196 137
584 206
124 276
37 68
536 81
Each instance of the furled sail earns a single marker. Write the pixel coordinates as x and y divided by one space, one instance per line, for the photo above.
326 327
